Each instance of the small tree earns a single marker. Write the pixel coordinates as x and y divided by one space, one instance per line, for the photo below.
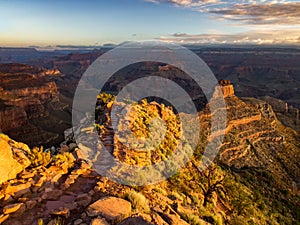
211 181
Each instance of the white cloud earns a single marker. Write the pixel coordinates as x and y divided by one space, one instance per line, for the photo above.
251 37
259 14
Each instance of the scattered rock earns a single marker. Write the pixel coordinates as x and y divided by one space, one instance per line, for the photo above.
135 221
54 205
63 149
174 219
72 146
99 221
83 200
158 220
83 215
3 218
77 222
53 194
30 204
63 212
7 199
17 209
27 175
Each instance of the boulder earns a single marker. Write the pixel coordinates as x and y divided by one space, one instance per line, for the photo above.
174 219
3 218
83 200
62 212
17 209
135 221
99 221
18 190
10 165
111 208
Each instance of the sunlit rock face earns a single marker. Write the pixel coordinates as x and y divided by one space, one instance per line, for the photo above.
12 158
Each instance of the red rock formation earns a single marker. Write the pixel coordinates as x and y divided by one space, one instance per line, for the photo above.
226 88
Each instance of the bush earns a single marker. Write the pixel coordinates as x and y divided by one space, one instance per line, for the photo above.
39 158
238 221
191 219
66 158
138 201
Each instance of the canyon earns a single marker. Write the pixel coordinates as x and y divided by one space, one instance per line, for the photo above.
30 105
254 178
71 189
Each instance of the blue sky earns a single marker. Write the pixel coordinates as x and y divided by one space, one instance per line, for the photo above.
95 22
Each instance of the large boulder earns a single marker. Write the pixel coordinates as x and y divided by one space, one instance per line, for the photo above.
111 208
12 158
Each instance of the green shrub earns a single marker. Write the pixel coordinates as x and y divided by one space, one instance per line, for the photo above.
191 219
161 191
138 201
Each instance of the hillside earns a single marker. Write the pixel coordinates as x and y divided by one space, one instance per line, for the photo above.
254 180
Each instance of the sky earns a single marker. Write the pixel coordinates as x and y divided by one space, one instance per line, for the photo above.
97 22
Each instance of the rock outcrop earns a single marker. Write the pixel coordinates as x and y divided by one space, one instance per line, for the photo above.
226 88
13 158
287 114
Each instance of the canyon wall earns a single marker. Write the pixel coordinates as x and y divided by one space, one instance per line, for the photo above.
30 101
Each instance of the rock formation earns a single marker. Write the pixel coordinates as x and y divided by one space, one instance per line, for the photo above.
13 159
27 97
226 87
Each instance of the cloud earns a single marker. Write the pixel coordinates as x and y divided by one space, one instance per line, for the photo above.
285 13
287 36
153 1
257 12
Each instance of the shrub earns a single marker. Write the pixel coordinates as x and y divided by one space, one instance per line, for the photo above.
238 221
39 158
138 201
191 219
66 158
161 191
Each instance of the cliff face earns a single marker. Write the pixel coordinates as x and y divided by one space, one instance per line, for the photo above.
287 114
12 158
254 138
12 117
226 88
27 95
